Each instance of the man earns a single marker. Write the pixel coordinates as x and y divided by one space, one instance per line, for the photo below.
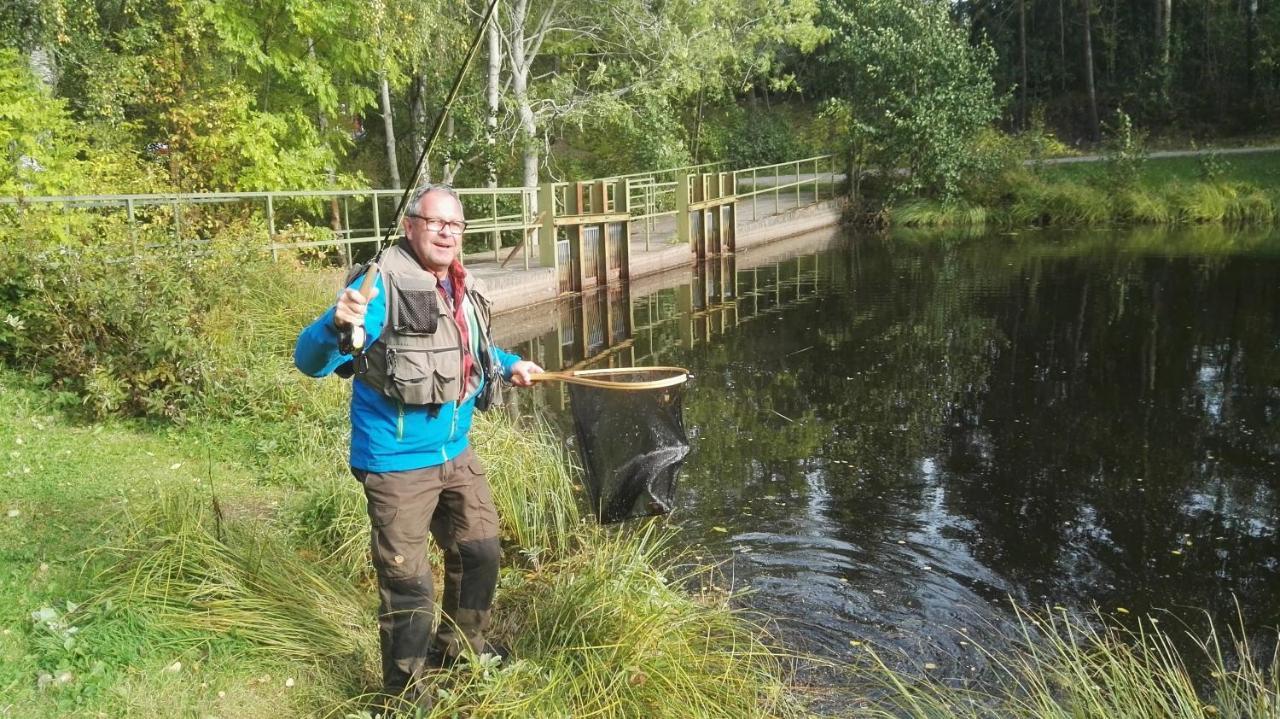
427 365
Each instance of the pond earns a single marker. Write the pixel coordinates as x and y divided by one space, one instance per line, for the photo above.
893 436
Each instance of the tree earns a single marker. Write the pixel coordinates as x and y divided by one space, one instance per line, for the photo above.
914 93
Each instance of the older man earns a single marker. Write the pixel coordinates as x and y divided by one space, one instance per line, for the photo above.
428 365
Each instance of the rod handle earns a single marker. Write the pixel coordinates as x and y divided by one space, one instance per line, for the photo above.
352 339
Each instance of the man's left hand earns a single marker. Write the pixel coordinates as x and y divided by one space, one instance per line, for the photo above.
520 372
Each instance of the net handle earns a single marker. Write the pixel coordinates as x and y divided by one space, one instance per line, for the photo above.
591 378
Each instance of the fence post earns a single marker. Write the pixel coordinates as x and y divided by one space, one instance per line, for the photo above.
682 211
547 229
622 206
271 227
496 239
797 185
133 227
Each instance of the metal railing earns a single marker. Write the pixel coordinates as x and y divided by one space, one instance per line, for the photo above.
811 172
339 224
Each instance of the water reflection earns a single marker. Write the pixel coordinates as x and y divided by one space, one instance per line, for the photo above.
897 433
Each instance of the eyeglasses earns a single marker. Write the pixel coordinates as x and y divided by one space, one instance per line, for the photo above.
435 224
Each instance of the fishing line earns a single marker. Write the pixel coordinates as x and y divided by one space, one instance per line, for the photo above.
354 336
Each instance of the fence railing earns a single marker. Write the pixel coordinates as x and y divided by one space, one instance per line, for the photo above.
346 224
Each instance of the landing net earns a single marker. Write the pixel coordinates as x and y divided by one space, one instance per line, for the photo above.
632 442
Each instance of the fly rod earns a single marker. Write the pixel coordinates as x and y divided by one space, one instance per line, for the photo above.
353 338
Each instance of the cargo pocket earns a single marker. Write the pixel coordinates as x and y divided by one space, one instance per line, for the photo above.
419 377
482 515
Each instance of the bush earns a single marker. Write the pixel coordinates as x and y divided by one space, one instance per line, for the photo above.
916 93
117 328
1125 155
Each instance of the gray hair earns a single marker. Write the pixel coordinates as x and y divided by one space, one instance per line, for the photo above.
426 187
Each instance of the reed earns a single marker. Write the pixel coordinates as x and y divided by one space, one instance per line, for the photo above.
1060 666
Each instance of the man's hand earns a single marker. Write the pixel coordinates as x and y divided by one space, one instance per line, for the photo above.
351 308
520 372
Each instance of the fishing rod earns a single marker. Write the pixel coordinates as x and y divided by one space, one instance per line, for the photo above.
353 337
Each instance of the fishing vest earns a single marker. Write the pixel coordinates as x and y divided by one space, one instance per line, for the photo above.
417 360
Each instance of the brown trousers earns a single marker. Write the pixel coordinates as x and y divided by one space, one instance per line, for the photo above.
452 501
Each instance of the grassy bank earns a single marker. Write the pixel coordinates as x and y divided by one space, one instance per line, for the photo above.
149 571
1235 189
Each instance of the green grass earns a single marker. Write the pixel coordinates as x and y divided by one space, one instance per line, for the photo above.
1060 666
1237 190
1257 168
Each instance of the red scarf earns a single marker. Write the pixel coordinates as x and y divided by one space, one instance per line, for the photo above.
458 279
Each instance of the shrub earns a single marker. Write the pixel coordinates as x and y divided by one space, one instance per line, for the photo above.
114 327
1125 154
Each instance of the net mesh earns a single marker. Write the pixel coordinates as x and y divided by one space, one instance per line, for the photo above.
633 444
418 311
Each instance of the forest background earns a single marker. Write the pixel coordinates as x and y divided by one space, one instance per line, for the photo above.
204 95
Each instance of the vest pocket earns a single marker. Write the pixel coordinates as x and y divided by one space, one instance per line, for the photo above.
414 307
424 376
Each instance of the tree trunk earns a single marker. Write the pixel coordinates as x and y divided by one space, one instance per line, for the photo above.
418 113
43 67
520 89
1022 62
1250 50
330 173
1164 73
388 126
1062 46
493 96
1088 72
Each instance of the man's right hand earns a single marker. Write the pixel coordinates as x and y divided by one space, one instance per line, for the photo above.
351 308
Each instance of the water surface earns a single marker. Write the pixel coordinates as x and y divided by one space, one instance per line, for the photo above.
893 436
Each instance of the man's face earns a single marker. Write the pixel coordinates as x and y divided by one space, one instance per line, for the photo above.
435 248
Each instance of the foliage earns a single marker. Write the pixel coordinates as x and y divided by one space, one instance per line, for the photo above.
114 328
44 151
915 93
1125 154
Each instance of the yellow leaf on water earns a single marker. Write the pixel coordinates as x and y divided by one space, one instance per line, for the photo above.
719 529
1122 610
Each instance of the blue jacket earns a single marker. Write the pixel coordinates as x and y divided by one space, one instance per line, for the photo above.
387 436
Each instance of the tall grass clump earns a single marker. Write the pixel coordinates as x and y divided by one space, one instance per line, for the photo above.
608 632
1138 206
1202 202
1039 203
533 482
1065 667
188 566
934 213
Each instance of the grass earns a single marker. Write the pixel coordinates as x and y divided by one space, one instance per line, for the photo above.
175 578
1236 189
1256 168
1062 666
